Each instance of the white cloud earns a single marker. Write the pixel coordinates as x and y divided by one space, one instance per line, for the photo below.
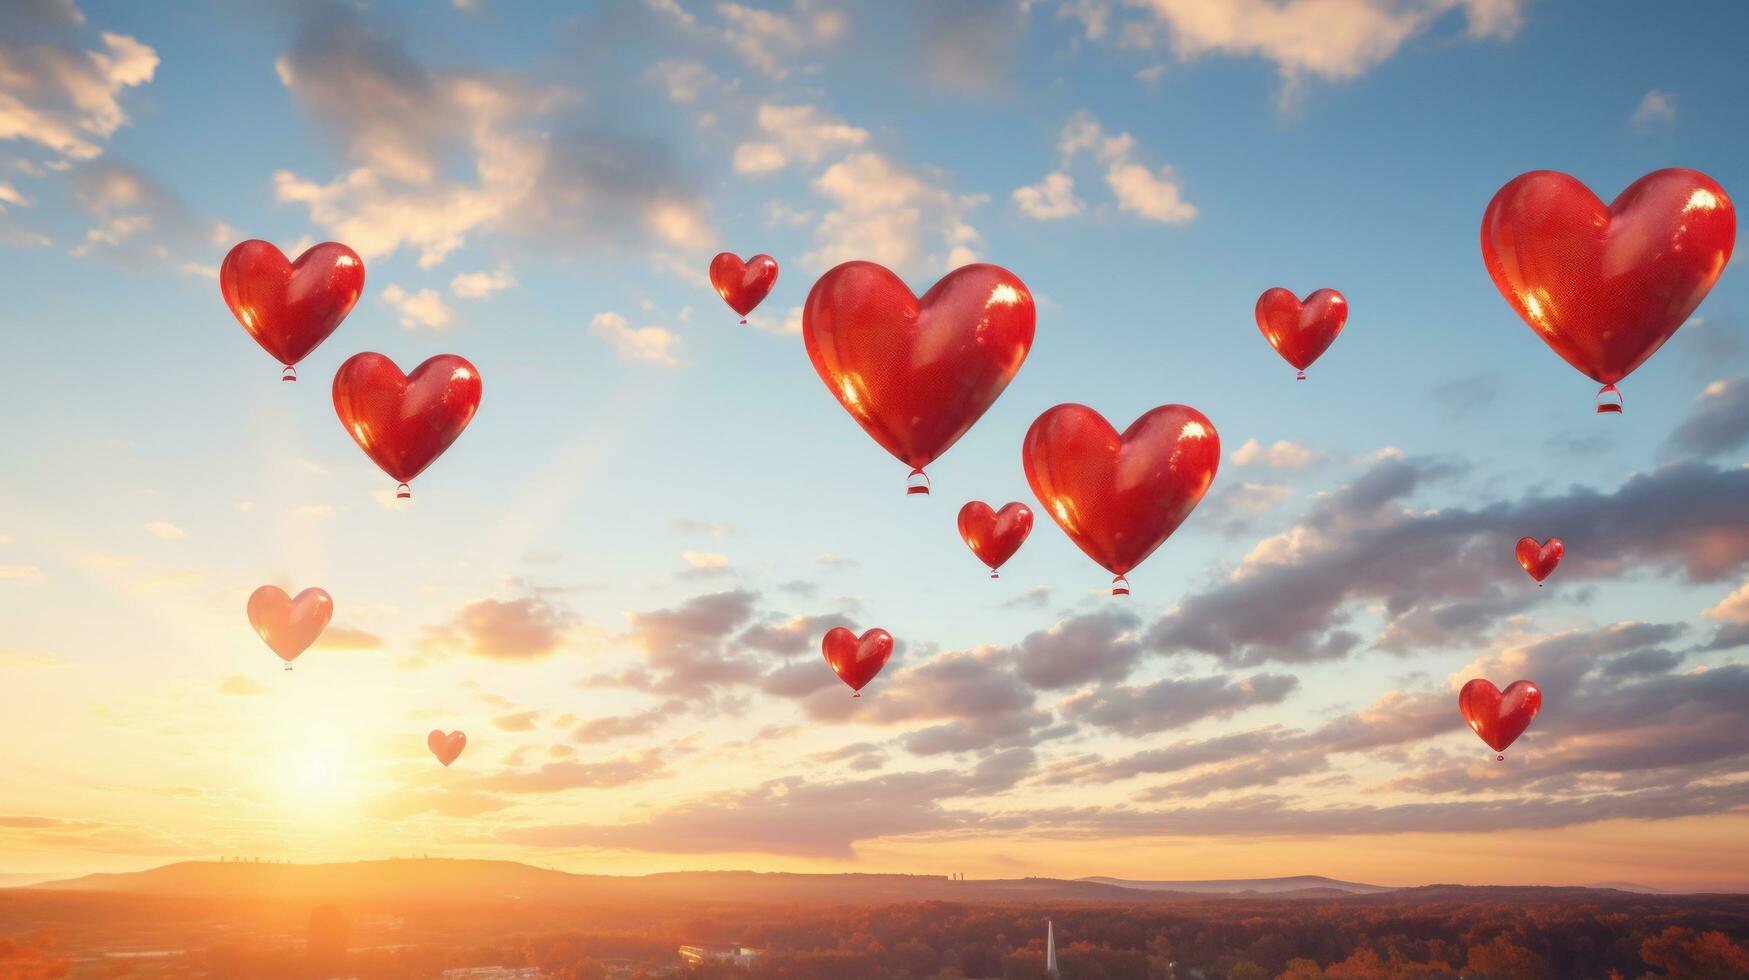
706 561
1656 108
768 40
139 221
529 170
1150 194
480 285
1094 15
67 100
684 81
795 134
1734 607
789 326
1049 199
883 212
166 530
423 310
1326 39
655 345
1282 455
1255 498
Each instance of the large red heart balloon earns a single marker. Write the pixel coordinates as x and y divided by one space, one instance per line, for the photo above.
856 660
1538 560
290 307
994 536
403 422
1300 332
288 626
917 373
743 285
1118 497
446 747
1499 717
1605 287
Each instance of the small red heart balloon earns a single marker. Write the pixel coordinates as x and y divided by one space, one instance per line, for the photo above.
1300 332
403 422
917 373
856 660
288 626
1118 497
1499 717
994 536
1538 560
743 285
1605 287
446 747
290 307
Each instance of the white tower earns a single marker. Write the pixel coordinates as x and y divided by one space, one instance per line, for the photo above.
1051 949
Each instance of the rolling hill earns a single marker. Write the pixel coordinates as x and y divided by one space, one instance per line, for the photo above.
1308 886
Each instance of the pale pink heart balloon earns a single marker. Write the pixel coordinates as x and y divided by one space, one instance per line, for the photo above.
288 626
446 747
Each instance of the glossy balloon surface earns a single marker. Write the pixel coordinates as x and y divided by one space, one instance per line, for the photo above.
1538 560
1300 332
446 747
290 307
856 660
743 285
1606 286
288 626
403 422
994 535
917 373
1499 717
1118 497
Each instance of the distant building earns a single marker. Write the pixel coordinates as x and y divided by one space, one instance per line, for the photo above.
1051 950
738 955
494 973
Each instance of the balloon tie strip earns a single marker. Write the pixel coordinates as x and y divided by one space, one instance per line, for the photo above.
403 492
1301 376
858 694
288 666
1120 585
289 374
993 574
1607 408
1500 758
911 484
743 320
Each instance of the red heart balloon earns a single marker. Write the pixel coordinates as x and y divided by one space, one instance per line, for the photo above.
1300 332
290 307
446 747
994 536
1539 559
743 285
1499 717
403 422
916 374
857 660
288 626
1119 497
1605 287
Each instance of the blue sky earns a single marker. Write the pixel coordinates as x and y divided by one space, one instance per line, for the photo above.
539 188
